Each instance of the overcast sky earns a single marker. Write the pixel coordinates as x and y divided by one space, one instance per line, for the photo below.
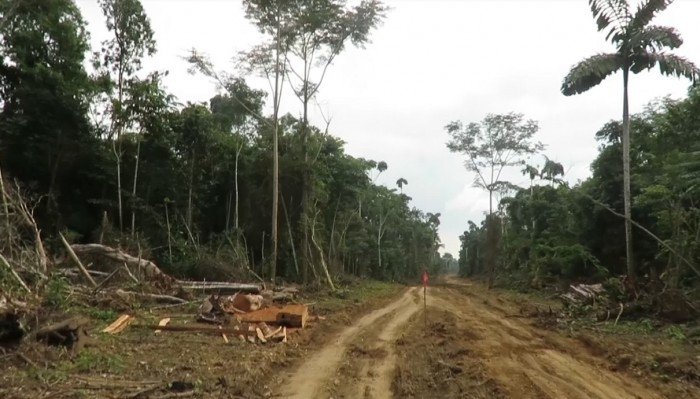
432 62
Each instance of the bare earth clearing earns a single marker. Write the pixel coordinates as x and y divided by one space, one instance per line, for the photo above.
374 341
474 349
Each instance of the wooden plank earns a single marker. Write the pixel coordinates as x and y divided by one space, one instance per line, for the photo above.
162 322
273 333
118 325
260 335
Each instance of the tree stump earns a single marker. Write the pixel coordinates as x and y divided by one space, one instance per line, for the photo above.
69 333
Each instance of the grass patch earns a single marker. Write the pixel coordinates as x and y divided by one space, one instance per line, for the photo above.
359 292
98 314
636 327
95 362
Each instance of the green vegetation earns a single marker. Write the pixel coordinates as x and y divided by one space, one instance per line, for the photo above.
640 46
556 231
552 231
105 154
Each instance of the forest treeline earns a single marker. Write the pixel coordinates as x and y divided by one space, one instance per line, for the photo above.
636 221
105 154
550 230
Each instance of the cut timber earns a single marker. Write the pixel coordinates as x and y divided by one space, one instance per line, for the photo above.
69 333
240 303
161 323
149 269
260 335
220 287
119 325
289 315
293 316
273 333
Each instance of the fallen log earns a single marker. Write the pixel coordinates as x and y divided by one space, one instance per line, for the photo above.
69 333
148 268
220 287
130 295
202 329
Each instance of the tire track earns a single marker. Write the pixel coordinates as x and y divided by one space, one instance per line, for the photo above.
313 377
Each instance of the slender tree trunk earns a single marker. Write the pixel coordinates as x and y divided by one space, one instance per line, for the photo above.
189 194
229 199
491 250
6 210
320 254
117 147
291 237
235 180
275 202
133 189
330 244
306 182
119 184
275 161
379 247
167 223
631 272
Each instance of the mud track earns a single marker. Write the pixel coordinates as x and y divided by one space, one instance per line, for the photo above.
516 359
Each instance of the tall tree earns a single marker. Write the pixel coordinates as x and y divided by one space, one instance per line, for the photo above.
149 107
121 57
322 29
491 146
44 89
270 60
640 46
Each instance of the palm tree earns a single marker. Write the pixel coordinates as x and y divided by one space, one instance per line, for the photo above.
639 46
401 182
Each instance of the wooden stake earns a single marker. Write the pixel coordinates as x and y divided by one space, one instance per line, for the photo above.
223 336
77 260
14 274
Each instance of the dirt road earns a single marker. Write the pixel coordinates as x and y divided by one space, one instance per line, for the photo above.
318 374
472 350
